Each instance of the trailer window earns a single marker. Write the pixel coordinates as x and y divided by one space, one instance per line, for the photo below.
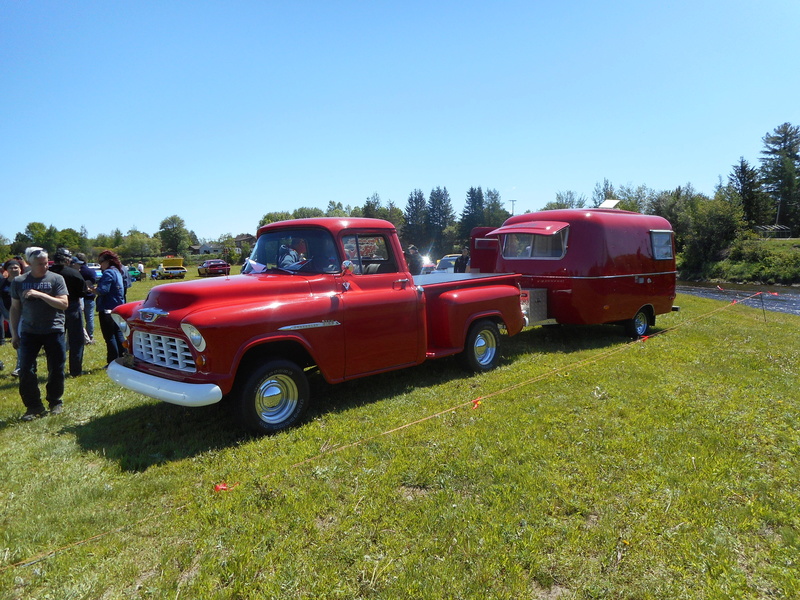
531 245
662 244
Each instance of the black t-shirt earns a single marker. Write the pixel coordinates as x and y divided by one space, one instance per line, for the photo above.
75 282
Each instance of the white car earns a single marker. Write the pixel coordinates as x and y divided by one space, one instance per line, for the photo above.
447 263
96 268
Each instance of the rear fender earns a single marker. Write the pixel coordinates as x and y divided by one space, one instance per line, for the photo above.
451 314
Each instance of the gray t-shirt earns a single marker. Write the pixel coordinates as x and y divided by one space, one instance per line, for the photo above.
37 315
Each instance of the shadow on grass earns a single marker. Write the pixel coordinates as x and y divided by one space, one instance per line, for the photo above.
152 434
552 339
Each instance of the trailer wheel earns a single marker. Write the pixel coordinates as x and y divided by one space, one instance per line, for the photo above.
482 347
639 324
273 397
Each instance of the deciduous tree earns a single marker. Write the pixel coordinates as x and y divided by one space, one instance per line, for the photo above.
174 235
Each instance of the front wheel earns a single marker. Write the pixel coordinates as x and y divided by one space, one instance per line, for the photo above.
273 397
482 347
638 325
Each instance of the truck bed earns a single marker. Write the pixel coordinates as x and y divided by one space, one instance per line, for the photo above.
443 278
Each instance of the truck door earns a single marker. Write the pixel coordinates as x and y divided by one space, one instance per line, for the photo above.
381 309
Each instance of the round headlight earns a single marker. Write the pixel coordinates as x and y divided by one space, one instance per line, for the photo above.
194 335
122 324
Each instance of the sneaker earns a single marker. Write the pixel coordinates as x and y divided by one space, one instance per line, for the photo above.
56 409
33 414
15 373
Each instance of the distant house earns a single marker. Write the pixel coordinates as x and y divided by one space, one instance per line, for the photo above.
244 238
207 248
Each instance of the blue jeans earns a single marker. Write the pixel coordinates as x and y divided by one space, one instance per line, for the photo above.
56 353
74 326
88 315
112 336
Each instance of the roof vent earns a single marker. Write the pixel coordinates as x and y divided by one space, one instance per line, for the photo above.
610 203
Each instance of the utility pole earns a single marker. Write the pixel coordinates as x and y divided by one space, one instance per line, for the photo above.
512 206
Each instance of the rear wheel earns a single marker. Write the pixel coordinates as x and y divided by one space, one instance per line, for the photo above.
482 347
639 324
273 397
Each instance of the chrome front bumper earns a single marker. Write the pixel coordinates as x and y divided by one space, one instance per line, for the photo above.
166 390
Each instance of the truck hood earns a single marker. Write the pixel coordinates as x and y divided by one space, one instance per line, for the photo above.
228 292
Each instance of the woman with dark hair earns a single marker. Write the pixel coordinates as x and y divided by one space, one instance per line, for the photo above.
110 292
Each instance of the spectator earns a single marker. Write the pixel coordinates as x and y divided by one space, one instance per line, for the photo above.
414 260
462 262
3 309
13 270
73 318
90 280
110 292
38 301
21 259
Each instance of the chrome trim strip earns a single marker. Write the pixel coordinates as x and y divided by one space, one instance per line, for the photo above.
309 325
599 276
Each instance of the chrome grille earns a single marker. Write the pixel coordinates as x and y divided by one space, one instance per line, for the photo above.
163 351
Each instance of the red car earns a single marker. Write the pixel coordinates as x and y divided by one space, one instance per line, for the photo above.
214 266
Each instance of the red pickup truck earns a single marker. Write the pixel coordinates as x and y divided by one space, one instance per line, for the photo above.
330 293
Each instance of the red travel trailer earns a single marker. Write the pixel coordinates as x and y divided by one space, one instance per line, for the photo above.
585 266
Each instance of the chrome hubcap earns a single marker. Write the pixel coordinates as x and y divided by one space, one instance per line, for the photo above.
276 398
485 348
641 323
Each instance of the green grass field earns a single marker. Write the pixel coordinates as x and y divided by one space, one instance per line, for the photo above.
586 466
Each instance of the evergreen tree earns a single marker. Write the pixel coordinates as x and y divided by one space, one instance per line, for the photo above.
372 207
779 168
335 209
415 229
472 216
756 205
494 215
394 215
440 221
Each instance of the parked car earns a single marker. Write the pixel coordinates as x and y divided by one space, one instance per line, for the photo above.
447 263
213 266
136 274
98 272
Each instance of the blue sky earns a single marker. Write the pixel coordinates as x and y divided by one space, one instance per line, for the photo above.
119 114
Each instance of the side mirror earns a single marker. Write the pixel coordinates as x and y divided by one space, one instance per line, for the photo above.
349 267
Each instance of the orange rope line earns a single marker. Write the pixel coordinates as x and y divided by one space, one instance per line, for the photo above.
473 403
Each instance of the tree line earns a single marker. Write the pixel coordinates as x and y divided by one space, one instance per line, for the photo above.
753 196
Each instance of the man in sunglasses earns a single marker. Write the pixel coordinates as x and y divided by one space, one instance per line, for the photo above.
38 301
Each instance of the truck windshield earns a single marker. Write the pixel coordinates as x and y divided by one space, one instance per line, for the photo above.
533 245
294 250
